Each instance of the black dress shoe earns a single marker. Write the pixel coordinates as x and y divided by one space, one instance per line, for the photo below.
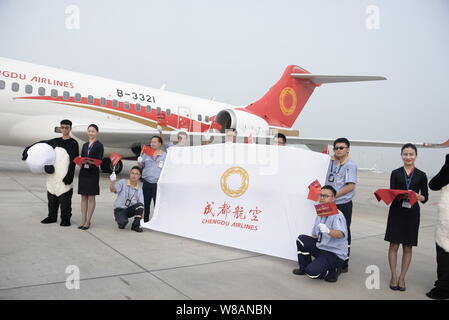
49 220
137 229
438 294
394 288
85 228
65 224
401 288
298 272
80 227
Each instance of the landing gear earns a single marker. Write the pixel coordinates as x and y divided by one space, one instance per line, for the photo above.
106 166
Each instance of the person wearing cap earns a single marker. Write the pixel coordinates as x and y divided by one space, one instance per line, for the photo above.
342 175
129 201
152 168
328 244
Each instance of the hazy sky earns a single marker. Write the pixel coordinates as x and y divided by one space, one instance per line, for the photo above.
236 50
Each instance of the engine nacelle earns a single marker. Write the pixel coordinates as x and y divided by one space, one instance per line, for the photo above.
244 122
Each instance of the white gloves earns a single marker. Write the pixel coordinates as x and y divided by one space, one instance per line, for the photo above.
113 176
139 160
323 228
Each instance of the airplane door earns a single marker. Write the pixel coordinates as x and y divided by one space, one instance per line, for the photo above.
184 118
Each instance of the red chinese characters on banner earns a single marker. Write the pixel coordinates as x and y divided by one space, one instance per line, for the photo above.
231 216
208 209
255 213
224 210
238 213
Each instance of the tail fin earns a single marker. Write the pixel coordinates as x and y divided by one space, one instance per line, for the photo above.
283 103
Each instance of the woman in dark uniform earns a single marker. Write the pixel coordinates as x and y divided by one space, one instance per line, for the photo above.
403 219
89 177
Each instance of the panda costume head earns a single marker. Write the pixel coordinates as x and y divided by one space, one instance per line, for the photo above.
54 161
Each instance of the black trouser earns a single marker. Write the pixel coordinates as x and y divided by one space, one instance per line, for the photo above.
346 209
65 201
149 193
325 264
122 214
442 269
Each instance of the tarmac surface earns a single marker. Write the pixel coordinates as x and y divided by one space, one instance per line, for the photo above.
123 264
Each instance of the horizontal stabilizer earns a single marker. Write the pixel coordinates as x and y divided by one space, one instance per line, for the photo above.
322 78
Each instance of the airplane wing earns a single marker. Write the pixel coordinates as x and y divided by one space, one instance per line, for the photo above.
317 144
127 138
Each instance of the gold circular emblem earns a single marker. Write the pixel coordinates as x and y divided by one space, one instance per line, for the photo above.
288 110
238 187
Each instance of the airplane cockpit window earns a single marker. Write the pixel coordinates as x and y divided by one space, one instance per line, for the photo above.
66 95
103 101
15 86
41 91
2 84
29 89
126 105
78 97
149 109
137 106
115 103
54 93
90 99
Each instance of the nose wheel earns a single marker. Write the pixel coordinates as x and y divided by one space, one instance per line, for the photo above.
106 166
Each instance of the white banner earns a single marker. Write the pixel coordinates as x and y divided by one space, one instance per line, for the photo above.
246 196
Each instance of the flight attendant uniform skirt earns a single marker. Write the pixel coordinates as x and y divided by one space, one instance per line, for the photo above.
403 224
89 181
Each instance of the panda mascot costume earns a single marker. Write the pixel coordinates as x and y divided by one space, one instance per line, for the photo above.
441 182
55 157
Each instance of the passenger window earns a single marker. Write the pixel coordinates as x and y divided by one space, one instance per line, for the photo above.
41 91
168 112
78 97
115 103
15 86
54 93
149 109
29 89
158 110
200 117
137 106
126 105
2 84
66 95
90 99
206 118
103 101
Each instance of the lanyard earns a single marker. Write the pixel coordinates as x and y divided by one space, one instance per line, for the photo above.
332 167
128 198
408 180
90 148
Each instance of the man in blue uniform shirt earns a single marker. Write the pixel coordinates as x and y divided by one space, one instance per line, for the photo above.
342 175
129 202
328 244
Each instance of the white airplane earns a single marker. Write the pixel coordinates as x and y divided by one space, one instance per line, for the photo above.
35 98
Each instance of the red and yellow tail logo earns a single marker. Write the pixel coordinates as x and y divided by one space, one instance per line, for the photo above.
283 103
